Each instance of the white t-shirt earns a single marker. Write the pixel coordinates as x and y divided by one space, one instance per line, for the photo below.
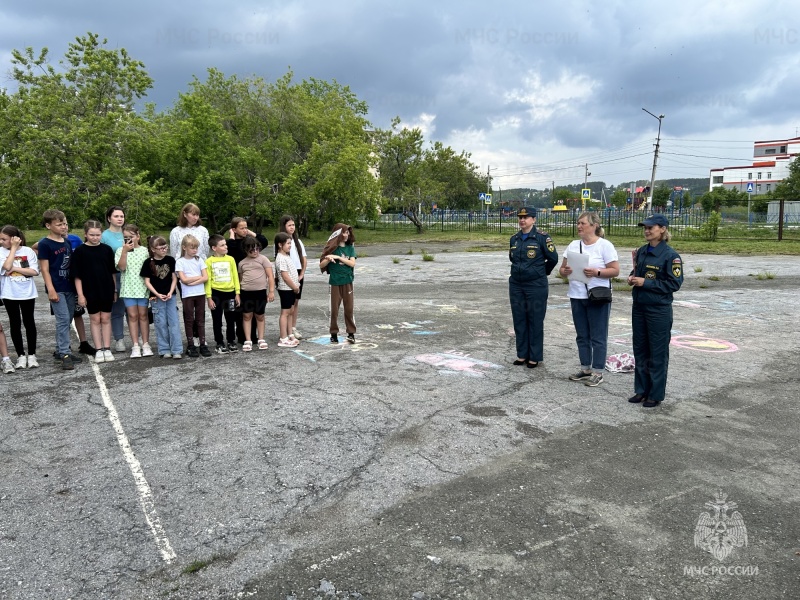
14 286
191 267
600 254
284 263
295 255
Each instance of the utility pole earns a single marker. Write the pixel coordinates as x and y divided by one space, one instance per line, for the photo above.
655 157
585 183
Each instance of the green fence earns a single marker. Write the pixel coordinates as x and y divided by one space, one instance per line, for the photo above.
686 224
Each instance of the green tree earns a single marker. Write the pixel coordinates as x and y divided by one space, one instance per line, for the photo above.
789 188
450 179
400 168
66 132
661 196
719 196
619 198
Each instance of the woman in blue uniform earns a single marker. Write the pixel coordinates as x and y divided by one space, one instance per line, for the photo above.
533 257
657 273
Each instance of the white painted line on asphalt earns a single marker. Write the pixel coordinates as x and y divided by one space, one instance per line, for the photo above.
142 487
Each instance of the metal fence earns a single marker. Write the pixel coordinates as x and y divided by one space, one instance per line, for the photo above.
684 224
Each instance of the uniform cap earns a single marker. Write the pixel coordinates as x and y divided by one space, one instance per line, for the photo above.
526 212
656 219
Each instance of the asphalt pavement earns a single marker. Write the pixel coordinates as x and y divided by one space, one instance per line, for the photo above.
418 463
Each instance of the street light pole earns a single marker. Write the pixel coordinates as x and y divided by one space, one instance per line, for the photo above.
655 156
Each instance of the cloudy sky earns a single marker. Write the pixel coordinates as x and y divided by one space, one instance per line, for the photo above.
534 91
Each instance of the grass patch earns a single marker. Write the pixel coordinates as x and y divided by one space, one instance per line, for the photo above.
765 275
703 286
622 287
427 257
619 280
395 260
410 251
197 565
476 249
713 278
698 269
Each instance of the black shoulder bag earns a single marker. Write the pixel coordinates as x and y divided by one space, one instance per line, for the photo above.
599 294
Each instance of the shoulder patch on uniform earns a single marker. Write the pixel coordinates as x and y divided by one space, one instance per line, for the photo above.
676 269
676 260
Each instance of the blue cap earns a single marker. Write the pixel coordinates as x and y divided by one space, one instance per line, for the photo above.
526 211
655 219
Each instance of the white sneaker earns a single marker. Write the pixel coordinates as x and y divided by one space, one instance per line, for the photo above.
32 362
136 352
120 346
7 366
99 356
22 362
109 357
146 350
296 333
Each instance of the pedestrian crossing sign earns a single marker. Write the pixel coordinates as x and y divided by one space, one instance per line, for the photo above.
586 194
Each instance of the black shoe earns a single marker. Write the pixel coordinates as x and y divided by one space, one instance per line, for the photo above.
232 347
351 338
59 357
636 398
651 403
222 349
334 338
87 348
66 363
204 351
192 352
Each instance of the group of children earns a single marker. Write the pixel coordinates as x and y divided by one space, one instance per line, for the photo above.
103 272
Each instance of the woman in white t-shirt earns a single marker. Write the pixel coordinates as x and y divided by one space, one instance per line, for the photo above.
590 319
18 267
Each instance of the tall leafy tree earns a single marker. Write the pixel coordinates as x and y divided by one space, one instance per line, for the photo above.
789 188
400 168
65 133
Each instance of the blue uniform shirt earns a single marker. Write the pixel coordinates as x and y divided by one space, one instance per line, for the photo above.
662 269
533 257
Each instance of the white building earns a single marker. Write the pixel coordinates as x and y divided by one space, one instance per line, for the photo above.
770 166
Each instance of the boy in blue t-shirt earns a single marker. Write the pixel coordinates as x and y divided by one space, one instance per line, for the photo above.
55 252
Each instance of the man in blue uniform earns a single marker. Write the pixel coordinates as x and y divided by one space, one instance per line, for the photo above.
533 257
657 273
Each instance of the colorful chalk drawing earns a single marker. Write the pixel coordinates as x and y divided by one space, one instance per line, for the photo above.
342 346
454 362
415 328
702 344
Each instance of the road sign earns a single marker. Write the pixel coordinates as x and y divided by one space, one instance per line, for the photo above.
586 194
487 199
482 196
749 187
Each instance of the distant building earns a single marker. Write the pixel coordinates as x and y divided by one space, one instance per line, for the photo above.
770 166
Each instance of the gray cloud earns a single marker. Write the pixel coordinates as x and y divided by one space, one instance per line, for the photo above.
573 75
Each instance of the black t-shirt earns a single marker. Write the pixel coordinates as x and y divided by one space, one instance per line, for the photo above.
159 272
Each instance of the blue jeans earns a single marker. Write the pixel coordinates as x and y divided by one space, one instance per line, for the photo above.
63 310
591 329
167 324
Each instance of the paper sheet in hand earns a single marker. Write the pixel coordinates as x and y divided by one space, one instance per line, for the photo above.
578 262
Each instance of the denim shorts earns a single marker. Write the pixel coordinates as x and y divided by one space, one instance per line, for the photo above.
129 302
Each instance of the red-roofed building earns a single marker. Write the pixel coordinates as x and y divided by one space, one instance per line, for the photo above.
770 166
